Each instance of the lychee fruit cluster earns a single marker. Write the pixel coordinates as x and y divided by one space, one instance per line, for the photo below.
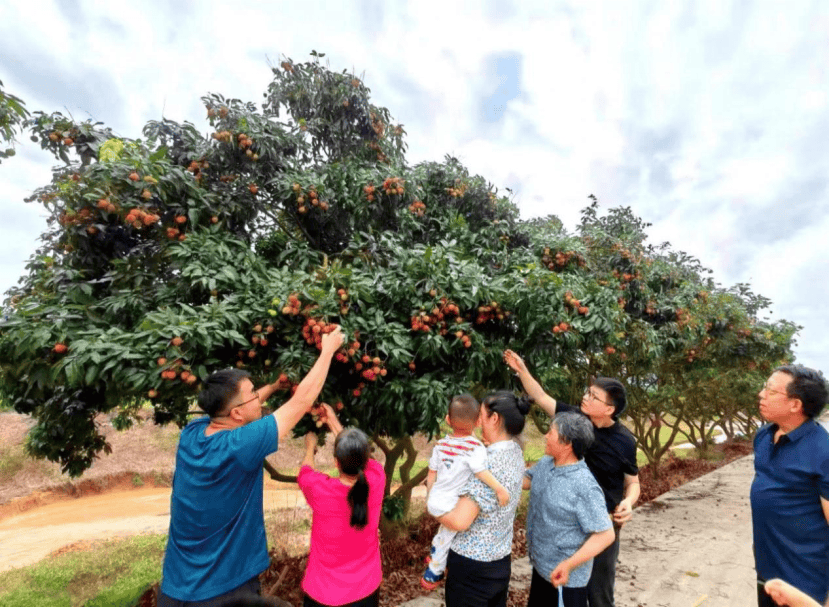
343 297
574 303
314 329
417 208
492 311
308 198
393 185
560 259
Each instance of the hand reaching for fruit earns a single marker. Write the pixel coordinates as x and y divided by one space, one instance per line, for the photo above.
332 341
325 414
514 361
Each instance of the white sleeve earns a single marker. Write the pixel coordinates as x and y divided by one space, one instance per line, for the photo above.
478 459
434 459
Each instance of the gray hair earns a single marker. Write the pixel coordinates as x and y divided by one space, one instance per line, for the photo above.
576 430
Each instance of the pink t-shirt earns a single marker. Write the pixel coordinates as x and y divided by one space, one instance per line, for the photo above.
343 563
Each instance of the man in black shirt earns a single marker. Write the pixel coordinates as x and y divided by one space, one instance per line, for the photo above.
612 459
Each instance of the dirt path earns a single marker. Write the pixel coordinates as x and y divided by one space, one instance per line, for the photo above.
31 536
693 545
28 537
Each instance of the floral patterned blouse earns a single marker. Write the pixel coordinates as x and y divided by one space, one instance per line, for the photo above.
490 536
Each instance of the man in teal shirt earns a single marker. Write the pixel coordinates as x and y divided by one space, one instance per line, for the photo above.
216 547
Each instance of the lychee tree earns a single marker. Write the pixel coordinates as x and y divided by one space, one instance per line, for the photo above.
180 253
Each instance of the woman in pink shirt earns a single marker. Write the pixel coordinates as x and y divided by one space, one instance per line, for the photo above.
344 560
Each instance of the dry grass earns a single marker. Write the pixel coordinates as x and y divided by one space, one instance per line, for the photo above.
143 450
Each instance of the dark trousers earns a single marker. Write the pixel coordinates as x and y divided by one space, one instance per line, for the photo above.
373 600
545 594
473 583
601 585
237 596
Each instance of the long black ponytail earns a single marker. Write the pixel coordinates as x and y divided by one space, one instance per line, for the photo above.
351 450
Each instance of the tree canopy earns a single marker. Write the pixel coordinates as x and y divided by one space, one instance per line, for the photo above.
170 256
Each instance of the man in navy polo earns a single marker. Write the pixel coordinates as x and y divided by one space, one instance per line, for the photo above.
789 493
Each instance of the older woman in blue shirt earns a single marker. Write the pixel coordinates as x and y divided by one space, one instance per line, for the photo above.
567 522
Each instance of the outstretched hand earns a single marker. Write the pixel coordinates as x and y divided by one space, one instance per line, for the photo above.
331 342
325 413
514 361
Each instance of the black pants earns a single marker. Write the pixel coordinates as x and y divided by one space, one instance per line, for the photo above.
237 596
604 570
373 600
473 583
545 594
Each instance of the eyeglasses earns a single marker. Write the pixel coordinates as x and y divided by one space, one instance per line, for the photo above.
593 396
768 390
250 400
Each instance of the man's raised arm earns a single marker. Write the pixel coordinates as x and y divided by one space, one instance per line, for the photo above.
309 388
532 387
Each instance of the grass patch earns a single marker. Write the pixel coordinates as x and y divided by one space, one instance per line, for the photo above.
113 573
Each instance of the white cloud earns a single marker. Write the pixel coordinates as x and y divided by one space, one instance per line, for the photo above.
709 118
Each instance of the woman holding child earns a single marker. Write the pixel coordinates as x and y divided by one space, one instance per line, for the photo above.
478 564
344 560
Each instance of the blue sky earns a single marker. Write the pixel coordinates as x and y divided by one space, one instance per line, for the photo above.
709 119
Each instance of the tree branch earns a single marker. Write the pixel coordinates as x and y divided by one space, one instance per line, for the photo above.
276 475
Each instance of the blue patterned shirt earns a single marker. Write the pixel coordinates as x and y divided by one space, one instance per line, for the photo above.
566 507
490 537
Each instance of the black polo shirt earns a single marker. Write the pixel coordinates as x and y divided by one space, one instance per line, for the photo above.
612 455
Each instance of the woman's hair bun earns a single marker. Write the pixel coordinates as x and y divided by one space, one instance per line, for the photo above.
523 404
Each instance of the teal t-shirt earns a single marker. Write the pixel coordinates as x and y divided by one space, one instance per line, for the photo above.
217 532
